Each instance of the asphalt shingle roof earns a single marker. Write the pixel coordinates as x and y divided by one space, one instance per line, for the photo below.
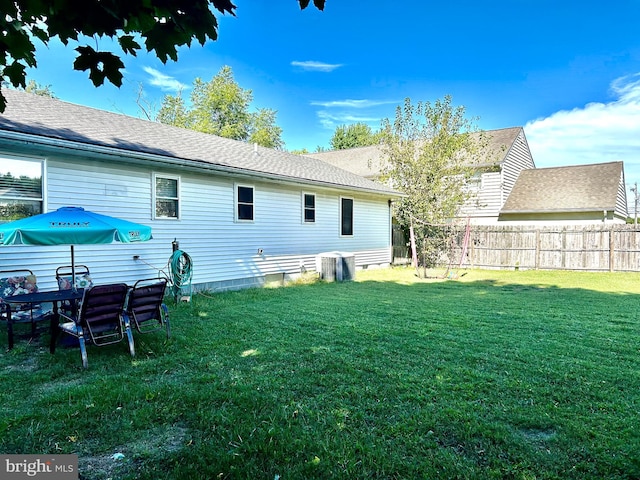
566 189
369 161
54 119
364 161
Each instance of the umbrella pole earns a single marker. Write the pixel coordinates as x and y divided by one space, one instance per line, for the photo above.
73 270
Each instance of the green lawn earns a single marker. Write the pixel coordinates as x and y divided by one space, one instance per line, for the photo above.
523 375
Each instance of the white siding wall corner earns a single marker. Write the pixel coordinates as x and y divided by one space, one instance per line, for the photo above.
621 200
519 158
484 208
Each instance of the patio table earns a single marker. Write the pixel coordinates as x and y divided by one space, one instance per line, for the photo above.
54 297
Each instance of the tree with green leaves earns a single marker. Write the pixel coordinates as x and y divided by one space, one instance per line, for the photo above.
173 111
429 149
221 107
160 25
42 90
264 131
304 151
352 136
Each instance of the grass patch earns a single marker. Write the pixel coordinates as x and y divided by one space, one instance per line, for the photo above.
523 375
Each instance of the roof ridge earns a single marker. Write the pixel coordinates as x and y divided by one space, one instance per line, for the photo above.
36 117
557 167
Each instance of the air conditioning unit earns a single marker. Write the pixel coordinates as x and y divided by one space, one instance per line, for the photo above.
336 266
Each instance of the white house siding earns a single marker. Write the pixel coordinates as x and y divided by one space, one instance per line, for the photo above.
483 208
518 158
621 200
496 186
225 253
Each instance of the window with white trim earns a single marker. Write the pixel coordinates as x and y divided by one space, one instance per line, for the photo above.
21 188
244 203
308 207
166 195
474 184
346 216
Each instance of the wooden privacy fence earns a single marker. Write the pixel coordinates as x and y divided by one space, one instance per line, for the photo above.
591 248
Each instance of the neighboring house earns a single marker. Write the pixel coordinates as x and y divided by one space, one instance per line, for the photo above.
579 194
504 156
243 213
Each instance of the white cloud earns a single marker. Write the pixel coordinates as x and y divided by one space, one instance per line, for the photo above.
352 103
332 120
316 66
595 133
164 82
345 112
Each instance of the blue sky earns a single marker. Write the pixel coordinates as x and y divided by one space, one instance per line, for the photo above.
569 73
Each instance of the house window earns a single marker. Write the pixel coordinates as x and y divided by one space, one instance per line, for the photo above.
309 207
244 203
346 216
474 184
167 196
21 187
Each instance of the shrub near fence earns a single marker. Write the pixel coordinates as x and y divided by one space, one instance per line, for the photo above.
589 248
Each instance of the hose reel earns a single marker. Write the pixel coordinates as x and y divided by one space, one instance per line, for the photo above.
180 274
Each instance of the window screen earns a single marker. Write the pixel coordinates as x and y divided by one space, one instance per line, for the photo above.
167 197
20 188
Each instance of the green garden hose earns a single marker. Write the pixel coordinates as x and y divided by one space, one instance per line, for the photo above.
181 271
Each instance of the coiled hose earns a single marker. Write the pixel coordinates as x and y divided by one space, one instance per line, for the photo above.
180 272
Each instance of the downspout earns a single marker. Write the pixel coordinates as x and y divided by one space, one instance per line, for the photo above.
502 199
390 231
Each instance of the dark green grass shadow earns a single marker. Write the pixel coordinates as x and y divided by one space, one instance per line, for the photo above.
372 379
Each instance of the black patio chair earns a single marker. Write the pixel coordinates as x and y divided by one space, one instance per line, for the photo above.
145 307
65 273
100 320
20 282
66 281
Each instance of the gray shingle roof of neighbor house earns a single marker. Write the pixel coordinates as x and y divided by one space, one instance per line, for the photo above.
369 161
364 161
44 119
566 189
498 142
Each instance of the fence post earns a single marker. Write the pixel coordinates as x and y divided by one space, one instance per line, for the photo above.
563 252
611 250
537 261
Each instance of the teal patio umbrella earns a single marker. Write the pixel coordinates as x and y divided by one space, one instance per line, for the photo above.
72 226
